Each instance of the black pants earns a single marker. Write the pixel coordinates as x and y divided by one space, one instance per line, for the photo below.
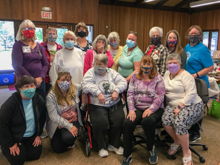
62 139
27 152
105 119
48 87
42 89
148 124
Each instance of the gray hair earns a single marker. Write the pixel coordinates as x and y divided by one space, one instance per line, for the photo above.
20 35
51 29
102 58
174 56
69 32
156 29
100 37
113 35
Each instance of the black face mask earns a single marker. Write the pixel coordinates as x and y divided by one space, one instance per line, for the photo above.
81 34
155 40
194 38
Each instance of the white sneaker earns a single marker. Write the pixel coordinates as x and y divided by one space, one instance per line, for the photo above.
103 153
118 151
44 135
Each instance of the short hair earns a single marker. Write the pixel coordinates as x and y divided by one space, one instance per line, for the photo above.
100 37
81 24
102 58
51 29
178 44
174 56
113 35
197 27
20 35
135 33
147 59
156 29
70 33
23 80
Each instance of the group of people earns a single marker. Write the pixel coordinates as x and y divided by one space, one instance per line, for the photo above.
52 82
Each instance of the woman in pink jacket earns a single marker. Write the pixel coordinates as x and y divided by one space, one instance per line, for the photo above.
99 46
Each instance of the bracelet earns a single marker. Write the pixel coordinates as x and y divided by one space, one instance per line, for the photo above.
179 107
197 74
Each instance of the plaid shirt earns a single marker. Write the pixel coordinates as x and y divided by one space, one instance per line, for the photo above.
44 44
159 54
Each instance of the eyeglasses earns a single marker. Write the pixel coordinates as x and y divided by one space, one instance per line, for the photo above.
28 28
193 34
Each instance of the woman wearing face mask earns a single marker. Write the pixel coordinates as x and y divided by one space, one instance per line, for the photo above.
129 62
183 106
28 56
64 114
69 59
81 31
115 49
199 63
99 46
157 50
51 47
173 43
145 101
22 119
106 111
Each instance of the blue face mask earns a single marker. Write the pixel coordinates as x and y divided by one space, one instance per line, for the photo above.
146 69
69 44
130 43
29 93
51 38
113 44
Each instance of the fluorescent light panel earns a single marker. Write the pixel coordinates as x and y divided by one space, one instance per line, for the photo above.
149 0
203 3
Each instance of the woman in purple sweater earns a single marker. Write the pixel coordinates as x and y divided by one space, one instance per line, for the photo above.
28 56
145 102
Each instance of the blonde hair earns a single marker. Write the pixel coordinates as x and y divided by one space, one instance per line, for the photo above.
178 48
20 35
100 37
113 35
70 33
51 29
71 93
81 24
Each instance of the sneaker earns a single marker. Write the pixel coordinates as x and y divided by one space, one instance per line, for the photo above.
71 146
153 156
103 153
118 151
194 137
127 161
44 135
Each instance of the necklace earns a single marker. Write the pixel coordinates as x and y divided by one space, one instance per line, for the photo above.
171 78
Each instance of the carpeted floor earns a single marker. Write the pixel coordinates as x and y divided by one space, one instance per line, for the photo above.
76 156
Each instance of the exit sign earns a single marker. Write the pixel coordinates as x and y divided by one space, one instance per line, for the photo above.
46 15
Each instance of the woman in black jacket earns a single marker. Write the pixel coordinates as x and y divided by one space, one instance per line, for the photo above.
22 117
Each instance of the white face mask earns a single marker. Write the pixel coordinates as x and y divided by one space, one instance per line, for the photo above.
99 69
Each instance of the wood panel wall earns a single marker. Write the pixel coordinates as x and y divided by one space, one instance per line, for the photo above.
63 11
209 20
125 19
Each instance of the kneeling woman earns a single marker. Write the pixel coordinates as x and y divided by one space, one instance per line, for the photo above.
145 102
64 114
106 111
22 119
183 106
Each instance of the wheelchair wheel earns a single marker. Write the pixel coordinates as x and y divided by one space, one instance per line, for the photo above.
87 147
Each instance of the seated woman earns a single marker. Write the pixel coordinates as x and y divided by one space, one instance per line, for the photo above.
145 101
22 119
64 114
183 106
106 111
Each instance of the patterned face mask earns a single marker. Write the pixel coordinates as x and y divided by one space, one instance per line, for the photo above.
64 85
28 93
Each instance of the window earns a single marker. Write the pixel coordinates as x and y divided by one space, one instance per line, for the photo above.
7 40
90 36
39 34
210 39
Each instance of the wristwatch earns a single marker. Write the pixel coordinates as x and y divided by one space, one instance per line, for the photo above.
195 75
179 107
